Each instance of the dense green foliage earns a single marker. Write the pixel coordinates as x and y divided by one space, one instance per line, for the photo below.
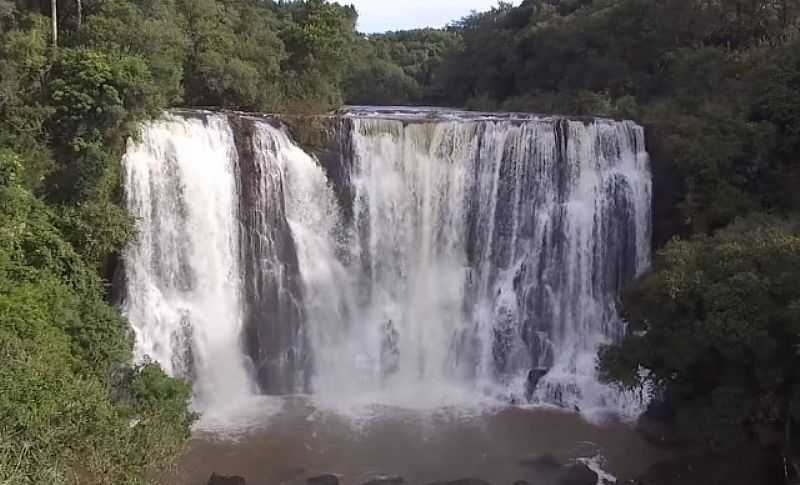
399 68
74 408
715 329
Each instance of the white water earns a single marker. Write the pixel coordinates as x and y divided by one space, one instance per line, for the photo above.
182 273
477 250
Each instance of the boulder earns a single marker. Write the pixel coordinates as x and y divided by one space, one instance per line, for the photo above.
327 479
225 480
578 474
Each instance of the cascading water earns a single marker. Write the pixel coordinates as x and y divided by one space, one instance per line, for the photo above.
435 258
184 297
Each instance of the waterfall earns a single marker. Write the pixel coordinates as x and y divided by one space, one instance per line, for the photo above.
184 291
459 255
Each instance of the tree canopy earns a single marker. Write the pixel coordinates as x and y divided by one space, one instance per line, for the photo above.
715 328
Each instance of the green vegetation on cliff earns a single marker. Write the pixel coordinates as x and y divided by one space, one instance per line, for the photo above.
74 407
715 329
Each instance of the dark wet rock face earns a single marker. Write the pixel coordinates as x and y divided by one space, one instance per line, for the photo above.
273 314
534 376
226 480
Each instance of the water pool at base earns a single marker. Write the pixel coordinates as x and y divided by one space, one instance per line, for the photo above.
287 440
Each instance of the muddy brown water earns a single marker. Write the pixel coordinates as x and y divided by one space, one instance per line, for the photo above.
495 445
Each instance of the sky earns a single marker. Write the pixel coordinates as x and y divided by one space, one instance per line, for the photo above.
382 15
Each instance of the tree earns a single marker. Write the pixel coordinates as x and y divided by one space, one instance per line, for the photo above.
54 21
714 330
153 31
318 37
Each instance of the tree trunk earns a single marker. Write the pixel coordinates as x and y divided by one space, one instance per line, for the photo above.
54 19
79 4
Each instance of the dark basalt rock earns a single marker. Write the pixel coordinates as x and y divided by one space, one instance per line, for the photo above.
224 480
327 479
329 139
388 480
534 376
578 474
274 337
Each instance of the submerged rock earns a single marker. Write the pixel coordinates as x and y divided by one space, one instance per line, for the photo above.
327 479
224 480
387 480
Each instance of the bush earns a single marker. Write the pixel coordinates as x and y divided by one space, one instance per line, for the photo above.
66 415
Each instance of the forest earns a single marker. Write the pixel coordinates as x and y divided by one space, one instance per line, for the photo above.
714 328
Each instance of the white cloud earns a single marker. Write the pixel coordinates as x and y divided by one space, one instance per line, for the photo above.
383 15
